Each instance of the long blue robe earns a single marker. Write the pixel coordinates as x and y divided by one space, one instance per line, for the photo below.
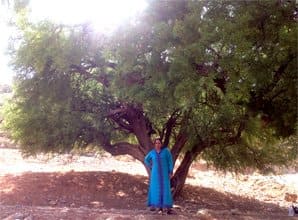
160 166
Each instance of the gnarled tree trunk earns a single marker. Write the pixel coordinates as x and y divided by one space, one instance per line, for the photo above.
133 120
179 178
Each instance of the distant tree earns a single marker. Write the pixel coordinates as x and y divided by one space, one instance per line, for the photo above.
213 79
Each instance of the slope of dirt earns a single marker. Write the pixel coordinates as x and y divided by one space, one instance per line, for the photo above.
103 187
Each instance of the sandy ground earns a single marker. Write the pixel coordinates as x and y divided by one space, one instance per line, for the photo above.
264 188
103 187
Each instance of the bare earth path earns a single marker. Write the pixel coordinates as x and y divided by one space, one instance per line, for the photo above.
103 187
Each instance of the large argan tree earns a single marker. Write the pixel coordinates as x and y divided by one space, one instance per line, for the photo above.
213 79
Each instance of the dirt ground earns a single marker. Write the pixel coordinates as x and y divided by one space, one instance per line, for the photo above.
103 187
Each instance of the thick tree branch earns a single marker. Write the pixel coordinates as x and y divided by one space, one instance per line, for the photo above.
142 127
180 175
181 138
178 146
123 148
119 116
120 148
167 130
131 118
123 124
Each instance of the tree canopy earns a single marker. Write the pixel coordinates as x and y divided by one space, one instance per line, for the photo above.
213 79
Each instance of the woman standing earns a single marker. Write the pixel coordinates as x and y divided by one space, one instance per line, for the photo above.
160 165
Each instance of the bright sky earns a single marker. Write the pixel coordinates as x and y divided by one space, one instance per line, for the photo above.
105 15
5 72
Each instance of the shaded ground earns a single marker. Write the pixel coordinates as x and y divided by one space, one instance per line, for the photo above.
115 191
102 187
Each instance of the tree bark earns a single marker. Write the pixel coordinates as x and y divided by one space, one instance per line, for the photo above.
169 126
123 148
133 120
179 178
179 144
142 129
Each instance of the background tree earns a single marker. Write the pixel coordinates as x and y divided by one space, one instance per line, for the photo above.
213 79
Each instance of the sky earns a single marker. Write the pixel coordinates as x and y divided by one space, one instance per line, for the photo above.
105 16
5 72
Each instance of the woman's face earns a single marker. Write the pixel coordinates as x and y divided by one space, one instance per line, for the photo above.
157 144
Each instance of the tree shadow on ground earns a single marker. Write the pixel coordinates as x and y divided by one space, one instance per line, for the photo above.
113 190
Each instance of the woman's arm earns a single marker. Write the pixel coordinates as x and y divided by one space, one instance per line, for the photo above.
148 161
170 162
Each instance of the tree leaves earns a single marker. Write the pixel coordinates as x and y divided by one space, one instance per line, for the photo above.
222 75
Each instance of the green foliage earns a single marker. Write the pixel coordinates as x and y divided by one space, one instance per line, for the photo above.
226 68
257 149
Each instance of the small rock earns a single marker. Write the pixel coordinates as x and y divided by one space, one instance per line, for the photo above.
203 212
177 207
121 193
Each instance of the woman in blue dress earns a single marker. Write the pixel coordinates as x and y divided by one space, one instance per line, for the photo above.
160 165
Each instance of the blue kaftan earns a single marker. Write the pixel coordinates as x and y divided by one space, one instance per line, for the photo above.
161 166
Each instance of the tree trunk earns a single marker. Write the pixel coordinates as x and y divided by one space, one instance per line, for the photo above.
178 180
142 129
179 144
